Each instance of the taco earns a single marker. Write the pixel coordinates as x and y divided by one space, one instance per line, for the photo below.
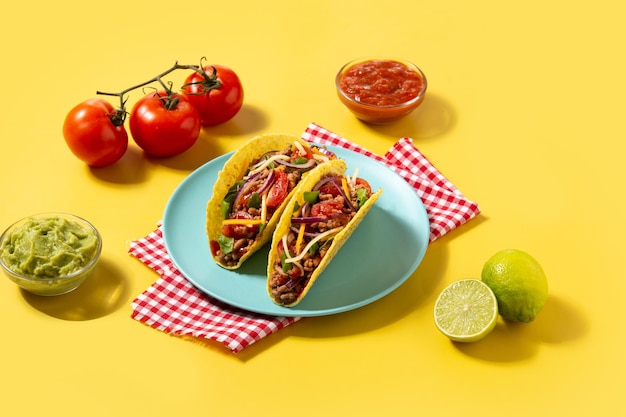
320 217
251 191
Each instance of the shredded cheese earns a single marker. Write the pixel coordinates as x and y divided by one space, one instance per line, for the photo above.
284 242
300 147
312 242
354 177
264 208
300 237
263 164
319 156
305 213
344 185
286 249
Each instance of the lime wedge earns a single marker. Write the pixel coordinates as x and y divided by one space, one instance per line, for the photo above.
466 310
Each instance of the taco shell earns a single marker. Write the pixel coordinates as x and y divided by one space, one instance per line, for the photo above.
234 170
337 167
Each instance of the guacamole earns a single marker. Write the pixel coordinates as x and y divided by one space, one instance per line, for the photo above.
48 247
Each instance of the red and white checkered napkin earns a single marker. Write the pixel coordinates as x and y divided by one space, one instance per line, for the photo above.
447 208
174 306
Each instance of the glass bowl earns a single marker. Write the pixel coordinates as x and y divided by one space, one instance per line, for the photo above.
380 90
50 253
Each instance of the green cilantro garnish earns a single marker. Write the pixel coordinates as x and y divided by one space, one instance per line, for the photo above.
311 196
285 265
226 243
314 248
227 202
255 201
361 196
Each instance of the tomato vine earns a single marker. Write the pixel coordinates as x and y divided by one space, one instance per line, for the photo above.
209 82
163 123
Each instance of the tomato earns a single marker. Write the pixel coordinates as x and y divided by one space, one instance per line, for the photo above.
91 134
297 154
215 247
218 98
239 231
326 208
279 190
163 132
361 183
330 188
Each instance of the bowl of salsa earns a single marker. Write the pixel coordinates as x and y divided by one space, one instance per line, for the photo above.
50 253
380 90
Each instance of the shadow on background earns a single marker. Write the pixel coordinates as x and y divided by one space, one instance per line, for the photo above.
207 148
100 295
411 295
393 307
132 168
558 322
203 151
431 119
249 121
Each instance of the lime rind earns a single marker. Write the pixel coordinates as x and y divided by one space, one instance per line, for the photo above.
466 310
519 283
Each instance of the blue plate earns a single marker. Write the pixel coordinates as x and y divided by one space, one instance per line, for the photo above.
381 254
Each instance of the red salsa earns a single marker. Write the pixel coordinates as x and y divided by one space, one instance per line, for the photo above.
381 83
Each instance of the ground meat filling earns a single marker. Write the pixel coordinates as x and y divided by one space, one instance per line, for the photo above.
288 281
245 235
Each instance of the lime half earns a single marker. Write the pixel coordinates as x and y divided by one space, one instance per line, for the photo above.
466 310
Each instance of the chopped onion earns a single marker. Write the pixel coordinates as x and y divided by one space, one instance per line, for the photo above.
243 187
331 178
304 211
307 220
345 192
295 230
342 192
268 182
291 284
322 182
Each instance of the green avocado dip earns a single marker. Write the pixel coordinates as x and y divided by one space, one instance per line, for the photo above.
48 247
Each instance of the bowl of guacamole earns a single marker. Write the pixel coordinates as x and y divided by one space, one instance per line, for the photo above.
50 253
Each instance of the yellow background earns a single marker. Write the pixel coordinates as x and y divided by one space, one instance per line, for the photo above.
524 114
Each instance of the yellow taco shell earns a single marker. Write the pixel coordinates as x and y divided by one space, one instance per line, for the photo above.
332 167
234 169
